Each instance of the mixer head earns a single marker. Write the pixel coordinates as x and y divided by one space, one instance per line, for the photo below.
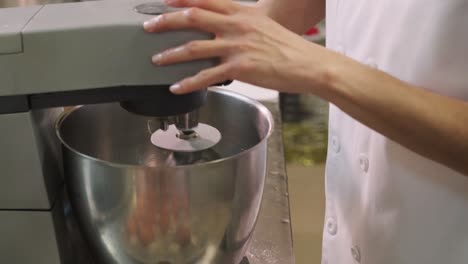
177 117
48 61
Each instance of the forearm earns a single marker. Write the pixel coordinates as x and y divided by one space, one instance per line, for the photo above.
296 15
429 124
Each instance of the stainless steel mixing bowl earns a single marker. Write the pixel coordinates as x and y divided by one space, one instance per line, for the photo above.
136 203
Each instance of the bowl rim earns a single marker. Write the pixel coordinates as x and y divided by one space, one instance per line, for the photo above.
262 108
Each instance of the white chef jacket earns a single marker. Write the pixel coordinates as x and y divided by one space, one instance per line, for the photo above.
384 203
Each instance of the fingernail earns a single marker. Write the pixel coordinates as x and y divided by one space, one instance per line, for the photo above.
148 25
175 88
157 59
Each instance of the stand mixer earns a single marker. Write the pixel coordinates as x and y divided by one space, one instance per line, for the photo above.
97 54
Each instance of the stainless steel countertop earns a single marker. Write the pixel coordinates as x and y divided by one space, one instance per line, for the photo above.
272 241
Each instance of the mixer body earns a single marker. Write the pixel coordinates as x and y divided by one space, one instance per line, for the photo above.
92 188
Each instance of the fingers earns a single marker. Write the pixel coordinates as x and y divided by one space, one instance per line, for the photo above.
193 18
219 6
195 50
202 80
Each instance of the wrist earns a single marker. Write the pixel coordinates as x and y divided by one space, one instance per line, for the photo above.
341 77
322 74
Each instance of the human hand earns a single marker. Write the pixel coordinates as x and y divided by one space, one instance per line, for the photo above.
251 47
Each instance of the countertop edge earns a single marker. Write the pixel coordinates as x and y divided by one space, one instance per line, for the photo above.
272 240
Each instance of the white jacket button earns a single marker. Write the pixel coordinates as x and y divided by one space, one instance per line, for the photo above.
356 253
364 162
335 144
332 226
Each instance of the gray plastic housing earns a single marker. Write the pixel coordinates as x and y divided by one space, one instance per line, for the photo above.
28 237
30 160
84 46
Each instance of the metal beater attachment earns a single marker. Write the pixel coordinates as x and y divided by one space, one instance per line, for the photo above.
199 138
